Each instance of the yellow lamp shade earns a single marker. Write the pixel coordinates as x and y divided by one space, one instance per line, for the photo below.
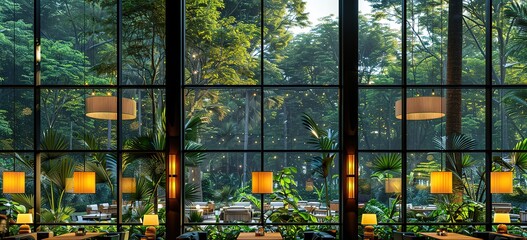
351 187
369 219
150 220
421 108
501 182
172 164
172 183
24 218
262 182
128 185
84 182
105 107
310 185
502 218
440 182
14 182
69 185
392 185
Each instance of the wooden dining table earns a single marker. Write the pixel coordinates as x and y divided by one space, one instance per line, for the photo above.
449 236
267 236
72 236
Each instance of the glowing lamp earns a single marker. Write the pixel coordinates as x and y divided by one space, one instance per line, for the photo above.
421 108
502 218
84 182
501 182
172 187
14 182
262 182
128 185
392 185
310 185
440 182
24 219
368 220
150 220
351 187
105 107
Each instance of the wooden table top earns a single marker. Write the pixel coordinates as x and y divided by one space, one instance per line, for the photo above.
71 236
251 236
450 235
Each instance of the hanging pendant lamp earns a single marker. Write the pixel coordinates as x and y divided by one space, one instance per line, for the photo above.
13 181
422 107
128 185
441 182
501 182
105 107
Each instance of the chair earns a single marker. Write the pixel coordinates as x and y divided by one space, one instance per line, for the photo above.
92 209
237 213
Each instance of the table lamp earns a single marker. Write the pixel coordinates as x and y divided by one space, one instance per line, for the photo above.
369 219
24 219
502 218
150 220
262 184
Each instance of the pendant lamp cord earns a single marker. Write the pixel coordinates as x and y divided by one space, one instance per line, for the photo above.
14 90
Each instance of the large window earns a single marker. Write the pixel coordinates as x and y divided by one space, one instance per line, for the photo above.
256 78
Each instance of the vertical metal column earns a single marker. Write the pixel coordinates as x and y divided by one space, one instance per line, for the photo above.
36 104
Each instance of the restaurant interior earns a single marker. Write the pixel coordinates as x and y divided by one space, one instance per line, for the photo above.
263 119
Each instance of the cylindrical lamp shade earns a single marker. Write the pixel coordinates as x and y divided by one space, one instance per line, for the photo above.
262 182
351 164
440 182
84 182
150 220
421 108
392 185
369 219
24 218
105 107
172 170
14 182
501 182
310 185
502 218
351 187
172 187
128 185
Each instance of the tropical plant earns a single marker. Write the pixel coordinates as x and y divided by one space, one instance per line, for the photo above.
326 140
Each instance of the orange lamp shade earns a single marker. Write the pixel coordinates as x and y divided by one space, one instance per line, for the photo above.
105 107
172 186
14 182
369 219
351 187
84 182
351 164
172 164
421 108
262 182
128 185
440 182
392 185
502 218
150 220
69 185
501 182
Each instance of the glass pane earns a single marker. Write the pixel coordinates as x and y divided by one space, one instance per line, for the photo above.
17 42
222 44
150 105
285 110
508 118
64 113
16 118
378 126
143 174
379 42
231 118
78 46
220 183
58 188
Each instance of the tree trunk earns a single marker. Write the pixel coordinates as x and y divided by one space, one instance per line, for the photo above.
453 95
